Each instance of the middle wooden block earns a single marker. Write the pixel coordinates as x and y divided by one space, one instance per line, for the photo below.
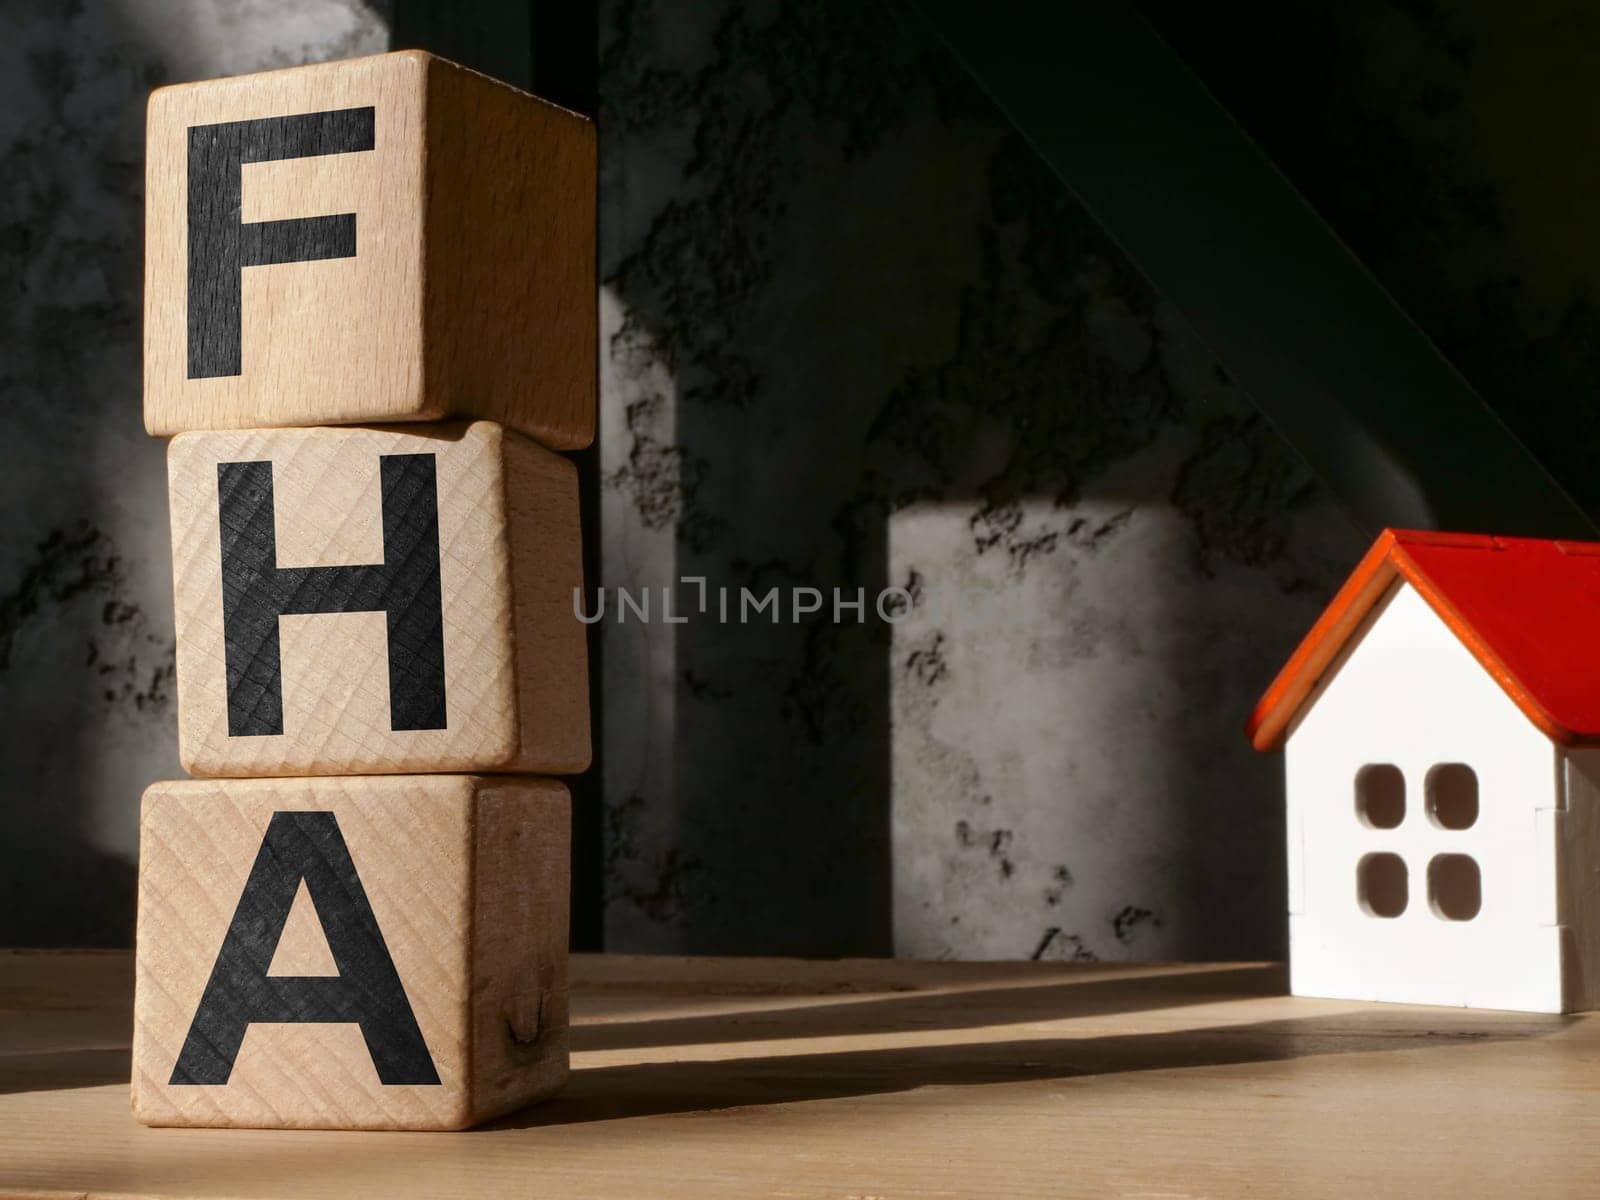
376 600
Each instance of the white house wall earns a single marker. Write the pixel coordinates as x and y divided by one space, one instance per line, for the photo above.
1577 897
1409 693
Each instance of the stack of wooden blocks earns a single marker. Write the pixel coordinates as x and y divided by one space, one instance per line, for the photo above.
369 329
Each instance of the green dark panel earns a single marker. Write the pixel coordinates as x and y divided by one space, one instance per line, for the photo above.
492 36
1344 375
549 49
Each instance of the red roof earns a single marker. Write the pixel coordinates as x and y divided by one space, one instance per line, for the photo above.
1527 608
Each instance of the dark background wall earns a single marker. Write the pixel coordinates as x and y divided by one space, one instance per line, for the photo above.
854 334
1452 146
86 651
857 334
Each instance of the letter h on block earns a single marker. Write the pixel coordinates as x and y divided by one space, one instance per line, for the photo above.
404 586
376 600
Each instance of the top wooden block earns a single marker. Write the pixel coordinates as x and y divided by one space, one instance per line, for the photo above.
393 238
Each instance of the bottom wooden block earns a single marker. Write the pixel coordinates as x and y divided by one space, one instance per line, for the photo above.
360 953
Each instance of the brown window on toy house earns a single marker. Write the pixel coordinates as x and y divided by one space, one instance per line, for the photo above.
1455 887
1452 795
1382 885
1380 795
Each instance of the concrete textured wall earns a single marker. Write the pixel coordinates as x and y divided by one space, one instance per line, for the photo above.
856 335
86 671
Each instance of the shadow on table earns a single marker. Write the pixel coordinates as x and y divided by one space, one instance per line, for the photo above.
968 1005
701 1085
655 1089
58 1070
965 1006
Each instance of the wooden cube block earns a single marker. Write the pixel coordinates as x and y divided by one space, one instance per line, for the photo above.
358 601
372 953
392 238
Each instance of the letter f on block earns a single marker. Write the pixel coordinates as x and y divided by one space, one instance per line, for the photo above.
405 586
221 246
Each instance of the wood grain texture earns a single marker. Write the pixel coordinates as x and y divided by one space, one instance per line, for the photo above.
471 291
514 664
700 1078
467 878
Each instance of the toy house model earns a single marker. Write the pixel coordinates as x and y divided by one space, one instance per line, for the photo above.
1441 726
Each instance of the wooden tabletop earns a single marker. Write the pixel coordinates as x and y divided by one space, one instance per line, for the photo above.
771 1077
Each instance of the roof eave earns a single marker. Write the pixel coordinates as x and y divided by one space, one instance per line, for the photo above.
1387 560
1268 725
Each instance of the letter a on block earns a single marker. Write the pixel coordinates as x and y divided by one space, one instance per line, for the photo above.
304 846
420 982
376 600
